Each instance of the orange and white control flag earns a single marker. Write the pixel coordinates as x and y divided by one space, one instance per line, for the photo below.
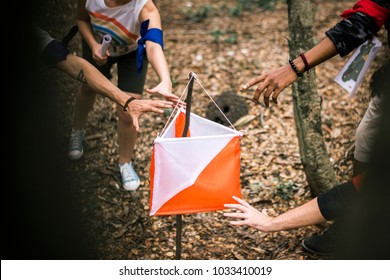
197 173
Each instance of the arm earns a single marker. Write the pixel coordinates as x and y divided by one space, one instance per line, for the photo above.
156 55
359 24
304 215
80 69
272 83
85 29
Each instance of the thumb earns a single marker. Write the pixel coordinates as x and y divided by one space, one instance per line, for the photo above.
148 90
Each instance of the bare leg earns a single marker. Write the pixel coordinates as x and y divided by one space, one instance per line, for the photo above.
84 103
127 136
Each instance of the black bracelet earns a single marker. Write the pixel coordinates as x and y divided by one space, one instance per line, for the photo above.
295 68
127 103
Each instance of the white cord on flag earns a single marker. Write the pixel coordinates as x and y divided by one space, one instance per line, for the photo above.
177 106
183 95
196 78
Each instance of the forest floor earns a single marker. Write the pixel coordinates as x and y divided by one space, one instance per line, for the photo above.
225 45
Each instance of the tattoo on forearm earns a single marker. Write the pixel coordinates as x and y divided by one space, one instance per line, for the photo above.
81 77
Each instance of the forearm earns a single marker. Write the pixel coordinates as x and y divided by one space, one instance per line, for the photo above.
82 70
86 32
154 51
317 55
84 23
157 58
304 215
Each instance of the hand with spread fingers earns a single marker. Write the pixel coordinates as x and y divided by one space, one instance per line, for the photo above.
247 215
306 214
140 106
271 84
166 91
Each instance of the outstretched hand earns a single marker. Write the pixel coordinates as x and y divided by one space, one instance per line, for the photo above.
140 106
271 84
247 215
166 92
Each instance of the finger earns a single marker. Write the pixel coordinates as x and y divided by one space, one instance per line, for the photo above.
241 201
276 93
267 95
148 90
252 82
157 110
135 123
236 215
265 211
230 206
181 105
179 102
167 106
257 95
164 104
266 101
172 96
259 90
238 207
238 223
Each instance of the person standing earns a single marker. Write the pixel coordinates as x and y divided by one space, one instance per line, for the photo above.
135 28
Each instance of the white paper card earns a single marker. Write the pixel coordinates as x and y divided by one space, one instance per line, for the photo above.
356 67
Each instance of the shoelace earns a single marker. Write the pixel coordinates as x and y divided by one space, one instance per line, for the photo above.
76 141
128 173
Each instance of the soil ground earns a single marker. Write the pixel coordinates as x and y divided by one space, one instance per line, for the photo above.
225 44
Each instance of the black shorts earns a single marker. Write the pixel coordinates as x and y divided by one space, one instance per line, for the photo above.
128 78
54 52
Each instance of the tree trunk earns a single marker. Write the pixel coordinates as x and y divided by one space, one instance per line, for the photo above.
307 103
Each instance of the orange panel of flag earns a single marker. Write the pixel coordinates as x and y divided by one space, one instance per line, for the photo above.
197 173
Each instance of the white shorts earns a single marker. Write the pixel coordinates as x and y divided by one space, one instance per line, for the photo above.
366 131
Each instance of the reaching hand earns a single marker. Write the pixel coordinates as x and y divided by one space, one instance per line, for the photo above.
248 215
165 90
271 84
138 107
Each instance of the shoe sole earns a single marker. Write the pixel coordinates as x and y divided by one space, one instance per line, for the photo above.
76 157
313 251
131 189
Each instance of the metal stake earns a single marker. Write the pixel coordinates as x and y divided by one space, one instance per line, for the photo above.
184 134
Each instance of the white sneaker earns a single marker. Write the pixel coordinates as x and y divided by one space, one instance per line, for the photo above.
130 180
76 150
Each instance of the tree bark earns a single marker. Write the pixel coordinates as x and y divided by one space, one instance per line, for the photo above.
307 103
